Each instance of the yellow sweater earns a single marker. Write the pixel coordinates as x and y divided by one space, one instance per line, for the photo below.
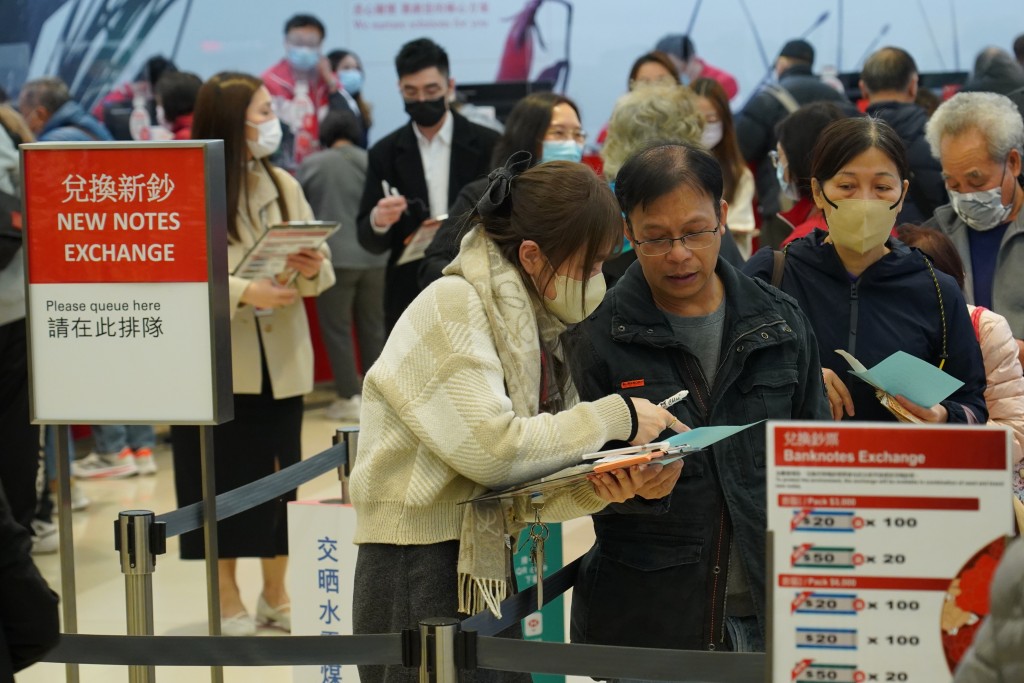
450 409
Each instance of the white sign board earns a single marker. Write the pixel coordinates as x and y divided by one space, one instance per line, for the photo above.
127 282
885 538
321 570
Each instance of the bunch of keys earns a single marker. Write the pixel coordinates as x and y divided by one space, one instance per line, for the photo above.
538 535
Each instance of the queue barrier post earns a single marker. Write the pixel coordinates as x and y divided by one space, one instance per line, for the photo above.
437 650
350 436
139 539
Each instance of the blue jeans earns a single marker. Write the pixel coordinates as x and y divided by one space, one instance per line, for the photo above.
50 450
744 634
114 438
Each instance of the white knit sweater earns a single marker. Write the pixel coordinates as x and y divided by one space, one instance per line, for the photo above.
450 409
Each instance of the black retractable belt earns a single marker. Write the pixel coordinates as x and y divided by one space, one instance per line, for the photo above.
254 493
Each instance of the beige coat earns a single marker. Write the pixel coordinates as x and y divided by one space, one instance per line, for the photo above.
1004 391
285 333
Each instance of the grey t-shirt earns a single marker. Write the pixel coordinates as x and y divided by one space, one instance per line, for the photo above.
702 335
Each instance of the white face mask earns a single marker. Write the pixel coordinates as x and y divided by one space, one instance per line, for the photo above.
269 137
788 187
569 306
712 135
983 210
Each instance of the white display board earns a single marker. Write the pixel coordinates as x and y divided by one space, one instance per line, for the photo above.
321 569
884 538
127 282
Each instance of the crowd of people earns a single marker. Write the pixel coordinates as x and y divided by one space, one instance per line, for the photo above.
559 301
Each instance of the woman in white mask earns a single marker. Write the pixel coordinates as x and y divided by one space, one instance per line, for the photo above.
797 135
546 125
719 138
271 351
349 69
472 393
867 293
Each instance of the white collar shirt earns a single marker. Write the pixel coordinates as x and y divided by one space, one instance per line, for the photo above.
436 155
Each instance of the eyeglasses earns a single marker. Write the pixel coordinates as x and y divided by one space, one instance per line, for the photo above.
562 134
692 241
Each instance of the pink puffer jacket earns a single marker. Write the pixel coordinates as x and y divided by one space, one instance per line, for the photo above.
1004 392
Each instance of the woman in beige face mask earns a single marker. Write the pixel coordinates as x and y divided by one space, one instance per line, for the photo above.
867 293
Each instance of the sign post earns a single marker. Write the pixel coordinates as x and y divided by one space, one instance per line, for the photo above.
127 303
883 540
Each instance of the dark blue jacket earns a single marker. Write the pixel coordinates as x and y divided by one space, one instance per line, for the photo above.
892 306
71 123
755 126
657 578
927 188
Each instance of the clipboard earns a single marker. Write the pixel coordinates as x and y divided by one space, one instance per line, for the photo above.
268 257
416 244
571 476
655 453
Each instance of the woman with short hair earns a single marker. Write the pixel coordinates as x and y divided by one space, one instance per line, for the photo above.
867 293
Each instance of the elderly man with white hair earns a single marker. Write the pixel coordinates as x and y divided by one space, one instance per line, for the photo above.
978 138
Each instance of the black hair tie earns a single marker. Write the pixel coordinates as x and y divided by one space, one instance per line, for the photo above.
497 198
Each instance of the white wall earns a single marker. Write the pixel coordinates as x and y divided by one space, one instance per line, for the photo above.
606 37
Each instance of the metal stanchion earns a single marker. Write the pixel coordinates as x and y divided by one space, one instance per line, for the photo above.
437 650
206 457
350 435
69 600
139 540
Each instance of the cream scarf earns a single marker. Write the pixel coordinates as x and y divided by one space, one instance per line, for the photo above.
516 323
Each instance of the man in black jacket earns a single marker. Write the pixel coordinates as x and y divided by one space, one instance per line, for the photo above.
755 124
683 318
416 172
889 83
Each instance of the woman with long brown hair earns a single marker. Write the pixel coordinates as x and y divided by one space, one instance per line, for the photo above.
720 139
271 351
472 393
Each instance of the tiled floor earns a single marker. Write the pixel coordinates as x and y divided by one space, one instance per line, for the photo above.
179 587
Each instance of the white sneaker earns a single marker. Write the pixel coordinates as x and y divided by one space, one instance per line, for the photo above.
45 540
344 409
144 461
79 501
240 624
110 466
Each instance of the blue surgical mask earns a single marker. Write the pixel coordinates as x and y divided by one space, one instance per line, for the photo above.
303 58
788 187
351 81
561 150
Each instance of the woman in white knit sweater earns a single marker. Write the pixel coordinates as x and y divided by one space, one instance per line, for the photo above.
472 393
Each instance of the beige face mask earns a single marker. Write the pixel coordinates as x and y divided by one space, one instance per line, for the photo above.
569 305
860 225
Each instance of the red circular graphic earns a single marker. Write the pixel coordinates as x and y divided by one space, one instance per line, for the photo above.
859 677
858 523
858 559
858 605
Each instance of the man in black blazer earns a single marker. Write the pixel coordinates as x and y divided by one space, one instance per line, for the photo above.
416 172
